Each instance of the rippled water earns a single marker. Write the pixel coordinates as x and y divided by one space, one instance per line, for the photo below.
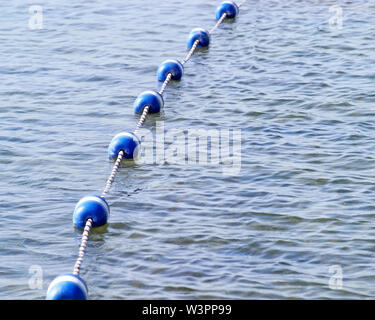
300 89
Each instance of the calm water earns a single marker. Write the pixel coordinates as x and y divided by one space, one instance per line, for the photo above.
300 90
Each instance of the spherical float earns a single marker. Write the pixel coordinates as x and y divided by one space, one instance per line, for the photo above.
67 286
174 67
125 141
199 33
93 207
228 7
149 98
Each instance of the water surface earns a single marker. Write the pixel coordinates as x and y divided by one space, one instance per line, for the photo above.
300 90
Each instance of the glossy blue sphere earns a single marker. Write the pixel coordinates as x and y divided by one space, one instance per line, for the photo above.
228 7
93 207
170 66
125 141
201 34
67 286
149 98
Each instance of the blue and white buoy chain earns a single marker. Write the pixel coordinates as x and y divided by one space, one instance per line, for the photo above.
186 59
116 166
93 211
89 222
111 178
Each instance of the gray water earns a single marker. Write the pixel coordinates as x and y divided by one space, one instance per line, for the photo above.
298 218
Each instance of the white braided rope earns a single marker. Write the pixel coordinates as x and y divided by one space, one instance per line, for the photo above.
190 53
82 248
142 118
218 23
112 176
165 83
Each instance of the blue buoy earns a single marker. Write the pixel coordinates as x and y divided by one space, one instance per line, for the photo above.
125 141
93 207
149 98
201 34
170 66
228 7
67 286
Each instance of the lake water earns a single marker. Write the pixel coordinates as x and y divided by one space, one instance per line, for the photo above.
295 77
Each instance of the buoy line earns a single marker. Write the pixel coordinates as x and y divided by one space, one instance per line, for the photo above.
93 211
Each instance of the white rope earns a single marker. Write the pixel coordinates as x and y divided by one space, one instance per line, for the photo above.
142 118
218 23
190 53
165 83
82 248
112 176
